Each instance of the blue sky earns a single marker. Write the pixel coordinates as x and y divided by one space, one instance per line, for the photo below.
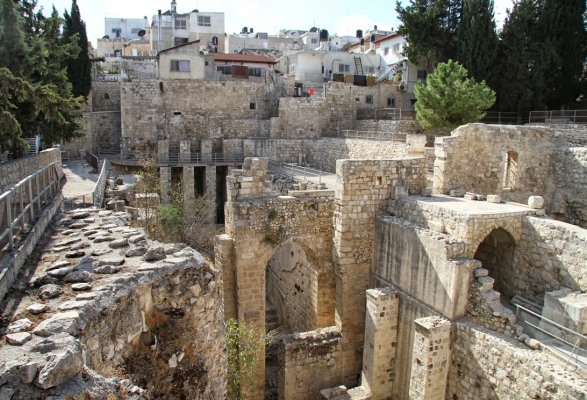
342 17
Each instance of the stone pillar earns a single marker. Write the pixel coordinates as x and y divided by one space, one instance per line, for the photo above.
210 186
163 151
184 151
380 342
187 181
363 190
430 358
165 182
206 145
223 260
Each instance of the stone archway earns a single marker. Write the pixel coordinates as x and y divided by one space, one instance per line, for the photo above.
496 253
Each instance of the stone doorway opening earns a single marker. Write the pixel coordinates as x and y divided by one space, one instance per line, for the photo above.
496 253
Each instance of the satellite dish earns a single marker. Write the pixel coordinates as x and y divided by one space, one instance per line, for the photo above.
142 33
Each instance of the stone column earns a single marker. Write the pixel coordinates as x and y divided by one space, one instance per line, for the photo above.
430 358
206 145
380 342
210 186
187 181
224 261
165 182
184 151
163 152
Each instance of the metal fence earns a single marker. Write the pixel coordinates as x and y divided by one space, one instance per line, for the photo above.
574 343
373 135
296 172
20 204
559 117
200 158
504 118
100 188
386 114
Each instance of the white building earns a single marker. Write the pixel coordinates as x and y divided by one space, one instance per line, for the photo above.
125 28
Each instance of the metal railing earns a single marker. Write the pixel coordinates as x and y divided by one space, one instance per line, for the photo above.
579 340
559 117
20 204
100 188
373 135
200 158
296 172
504 118
386 114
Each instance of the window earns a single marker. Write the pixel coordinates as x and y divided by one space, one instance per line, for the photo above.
397 48
370 70
135 30
177 41
314 41
391 102
180 66
422 74
292 69
225 69
252 106
204 20
344 68
259 72
386 51
369 99
181 24
510 170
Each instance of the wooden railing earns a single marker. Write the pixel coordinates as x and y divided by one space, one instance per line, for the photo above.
20 204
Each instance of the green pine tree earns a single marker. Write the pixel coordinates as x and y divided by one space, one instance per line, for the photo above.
477 46
450 98
79 69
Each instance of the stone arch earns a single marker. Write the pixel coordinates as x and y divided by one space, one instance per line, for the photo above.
293 275
496 253
513 226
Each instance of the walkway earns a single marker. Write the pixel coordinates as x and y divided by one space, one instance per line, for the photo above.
80 180
303 174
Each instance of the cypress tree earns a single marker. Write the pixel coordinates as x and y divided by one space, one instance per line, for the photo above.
477 47
521 70
13 51
79 69
563 26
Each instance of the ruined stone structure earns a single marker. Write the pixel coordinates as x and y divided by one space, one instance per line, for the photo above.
102 299
418 286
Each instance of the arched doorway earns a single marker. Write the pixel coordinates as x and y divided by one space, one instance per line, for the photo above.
496 253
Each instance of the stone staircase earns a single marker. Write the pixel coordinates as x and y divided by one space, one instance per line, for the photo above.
271 362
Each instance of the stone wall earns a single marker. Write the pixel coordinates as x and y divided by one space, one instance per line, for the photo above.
14 171
106 130
309 362
364 188
195 110
427 265
474 158
568 198
574 134
485 365
109 309
105 96
551 254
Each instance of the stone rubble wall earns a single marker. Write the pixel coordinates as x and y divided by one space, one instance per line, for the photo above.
473 158
106 131
574 134
309 362
550 255
486 365
107 303
568 198
14 171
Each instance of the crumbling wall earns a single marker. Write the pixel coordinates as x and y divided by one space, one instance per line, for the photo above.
568 199
574 134
474 158
485 365
309 362
551 254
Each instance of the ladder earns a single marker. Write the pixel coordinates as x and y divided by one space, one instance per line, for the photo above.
359 66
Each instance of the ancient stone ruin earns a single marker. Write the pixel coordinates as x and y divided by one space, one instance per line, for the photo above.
408 277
